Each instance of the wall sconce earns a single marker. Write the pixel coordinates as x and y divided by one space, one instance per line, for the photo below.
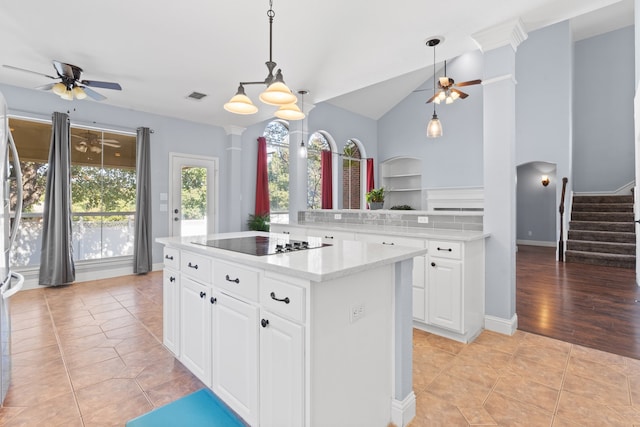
545 180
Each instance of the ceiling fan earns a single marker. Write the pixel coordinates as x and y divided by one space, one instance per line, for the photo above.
70 85
447 89
93 143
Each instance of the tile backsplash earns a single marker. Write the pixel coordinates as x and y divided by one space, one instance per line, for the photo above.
387 218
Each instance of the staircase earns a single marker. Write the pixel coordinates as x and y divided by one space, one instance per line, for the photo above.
602 231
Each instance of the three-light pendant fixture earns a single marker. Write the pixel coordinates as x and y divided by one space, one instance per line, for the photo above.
277 93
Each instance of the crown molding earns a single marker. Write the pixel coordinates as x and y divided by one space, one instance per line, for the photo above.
234 130
510 33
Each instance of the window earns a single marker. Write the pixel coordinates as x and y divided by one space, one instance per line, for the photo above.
103 191
351 179
317 143
277 135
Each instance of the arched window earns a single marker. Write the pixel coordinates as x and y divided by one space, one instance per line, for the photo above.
351 175
317 143
277 135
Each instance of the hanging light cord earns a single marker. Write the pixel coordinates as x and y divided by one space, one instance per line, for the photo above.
434 79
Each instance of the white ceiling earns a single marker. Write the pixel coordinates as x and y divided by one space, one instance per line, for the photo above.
352 53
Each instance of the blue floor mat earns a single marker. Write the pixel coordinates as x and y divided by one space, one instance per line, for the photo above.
199 409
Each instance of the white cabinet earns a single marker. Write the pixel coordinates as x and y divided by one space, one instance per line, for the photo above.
281 372
445 293
419 274
455 288
402 181
171 310
300 233
195 328
235 354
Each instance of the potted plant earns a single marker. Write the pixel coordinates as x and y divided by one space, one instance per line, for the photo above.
375 198
258 222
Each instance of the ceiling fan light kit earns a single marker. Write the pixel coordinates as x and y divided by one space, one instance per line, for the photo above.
277 93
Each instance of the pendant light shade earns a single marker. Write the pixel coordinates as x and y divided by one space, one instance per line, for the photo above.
278 94
434 128
240 103
289 112
59 89
302 151
79 93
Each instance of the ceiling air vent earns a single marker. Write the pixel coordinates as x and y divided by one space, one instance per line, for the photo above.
196 95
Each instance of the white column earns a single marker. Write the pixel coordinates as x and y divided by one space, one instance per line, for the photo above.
499 138
232 206
298 130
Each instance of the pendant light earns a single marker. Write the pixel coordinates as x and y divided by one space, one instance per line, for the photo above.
277 93
302 151
434 128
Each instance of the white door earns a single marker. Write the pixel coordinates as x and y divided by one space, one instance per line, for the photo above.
235 355
281 372
194 195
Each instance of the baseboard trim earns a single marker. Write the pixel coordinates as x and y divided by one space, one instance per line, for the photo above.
88 271
536 243
402 412
500 325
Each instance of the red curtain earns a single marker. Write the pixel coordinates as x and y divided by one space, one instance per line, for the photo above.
370 184
325 176
262 179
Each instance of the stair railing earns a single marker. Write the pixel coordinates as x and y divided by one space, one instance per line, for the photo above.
561 240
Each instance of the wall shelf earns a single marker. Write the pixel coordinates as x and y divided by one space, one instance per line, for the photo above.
402 181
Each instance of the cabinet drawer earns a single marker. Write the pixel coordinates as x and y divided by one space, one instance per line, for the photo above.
392 240
236 279
443 249
329 236
171 258
283 298
196 266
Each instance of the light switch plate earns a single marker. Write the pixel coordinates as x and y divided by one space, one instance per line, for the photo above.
423 219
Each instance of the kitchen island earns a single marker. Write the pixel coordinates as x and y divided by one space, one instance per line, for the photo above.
312 337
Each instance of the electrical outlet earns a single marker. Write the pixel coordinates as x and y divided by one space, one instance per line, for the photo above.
357 311
337 216
423 220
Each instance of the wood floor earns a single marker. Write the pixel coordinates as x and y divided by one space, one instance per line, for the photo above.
589 305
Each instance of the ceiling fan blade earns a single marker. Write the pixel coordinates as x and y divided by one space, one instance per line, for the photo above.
47 86
93 94
103 85
459 92
29 71
111 143
67 70
432 98
469 83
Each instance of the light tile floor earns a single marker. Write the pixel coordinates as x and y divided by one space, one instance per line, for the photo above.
90 354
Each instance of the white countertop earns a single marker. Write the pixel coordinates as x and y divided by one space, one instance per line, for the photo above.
342 258
420 233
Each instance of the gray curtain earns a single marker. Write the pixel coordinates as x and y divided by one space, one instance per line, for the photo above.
56 261
142 240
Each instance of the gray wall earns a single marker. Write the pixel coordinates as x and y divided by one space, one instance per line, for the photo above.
536 205
604 81
455 159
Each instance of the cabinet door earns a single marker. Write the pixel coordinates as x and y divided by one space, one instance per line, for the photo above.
235 354
445 293
171 310
281 372
195 329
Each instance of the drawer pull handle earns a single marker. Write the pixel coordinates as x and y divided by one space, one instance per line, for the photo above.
236 280
285 300
172 279
203 294
286 232
264 323
390 243
328 237
444 249
213 300
193 266
169 257
433 264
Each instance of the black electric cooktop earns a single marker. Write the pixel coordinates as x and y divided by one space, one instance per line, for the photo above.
261 245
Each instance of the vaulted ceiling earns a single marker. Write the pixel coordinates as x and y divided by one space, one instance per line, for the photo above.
361 55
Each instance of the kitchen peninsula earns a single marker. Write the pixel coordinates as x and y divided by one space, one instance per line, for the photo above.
316 334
